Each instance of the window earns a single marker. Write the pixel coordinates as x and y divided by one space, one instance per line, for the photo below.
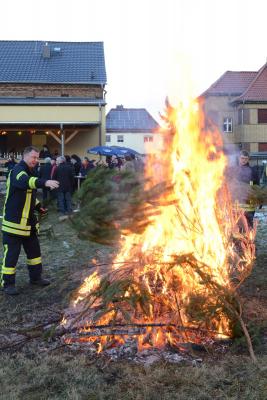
262 116
120 139
108 139
262 146
243 116
228 124
148 139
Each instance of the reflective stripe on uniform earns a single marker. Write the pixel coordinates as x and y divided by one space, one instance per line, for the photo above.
34 261
16 226
20 174
8 270
32 181
15 231
26 208
7 193
4 257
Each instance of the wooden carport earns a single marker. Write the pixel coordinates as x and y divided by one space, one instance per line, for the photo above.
72 124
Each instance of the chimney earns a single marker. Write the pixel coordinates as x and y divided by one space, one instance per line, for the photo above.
46 51
119 107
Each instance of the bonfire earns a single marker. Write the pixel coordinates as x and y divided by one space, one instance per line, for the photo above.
175 279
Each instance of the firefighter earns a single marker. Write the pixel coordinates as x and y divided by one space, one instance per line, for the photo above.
19 224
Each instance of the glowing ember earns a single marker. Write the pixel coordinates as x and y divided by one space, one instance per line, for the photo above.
175 280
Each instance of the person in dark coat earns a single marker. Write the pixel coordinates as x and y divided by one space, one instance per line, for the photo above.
44 152
10 164
77 163
45 173
64 175
110 161
86 166
244 173
19 223
69 162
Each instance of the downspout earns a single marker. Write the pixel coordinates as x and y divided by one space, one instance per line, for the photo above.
100 116
100 125
242 117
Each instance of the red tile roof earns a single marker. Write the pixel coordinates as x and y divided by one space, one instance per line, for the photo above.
231 83
248 86
257 89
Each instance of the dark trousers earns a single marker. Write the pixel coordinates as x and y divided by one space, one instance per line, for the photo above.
246 221
64 202
46 196
12 247
249 217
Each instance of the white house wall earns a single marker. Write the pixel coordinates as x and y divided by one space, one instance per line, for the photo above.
136 141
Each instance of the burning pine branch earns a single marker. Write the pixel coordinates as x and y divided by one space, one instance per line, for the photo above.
183 255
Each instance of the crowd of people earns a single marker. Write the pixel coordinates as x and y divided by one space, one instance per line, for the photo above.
68 169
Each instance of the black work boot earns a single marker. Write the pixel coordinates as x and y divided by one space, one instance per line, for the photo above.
40 282
11 290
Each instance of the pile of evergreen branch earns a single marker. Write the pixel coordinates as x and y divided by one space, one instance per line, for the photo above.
113 202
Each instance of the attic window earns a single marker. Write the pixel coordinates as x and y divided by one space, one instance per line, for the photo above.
120 139
65 95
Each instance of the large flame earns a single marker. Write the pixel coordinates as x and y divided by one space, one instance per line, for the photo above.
192 221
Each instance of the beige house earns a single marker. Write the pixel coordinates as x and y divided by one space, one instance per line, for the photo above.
52 93
134 128
237 104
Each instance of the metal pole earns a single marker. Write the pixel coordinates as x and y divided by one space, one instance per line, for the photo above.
62 140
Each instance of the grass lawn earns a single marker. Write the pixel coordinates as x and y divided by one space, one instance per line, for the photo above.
36 369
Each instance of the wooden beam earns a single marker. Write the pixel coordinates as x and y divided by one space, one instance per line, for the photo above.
54 136
71 136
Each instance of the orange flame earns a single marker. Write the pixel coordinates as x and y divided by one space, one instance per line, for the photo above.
192 221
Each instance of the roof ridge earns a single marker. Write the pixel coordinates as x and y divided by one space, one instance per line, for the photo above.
128 108
246 72
48 41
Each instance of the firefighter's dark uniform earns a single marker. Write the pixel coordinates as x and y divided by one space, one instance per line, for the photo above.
19 224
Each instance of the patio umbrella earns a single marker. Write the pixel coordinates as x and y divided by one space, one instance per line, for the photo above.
125 150
102 151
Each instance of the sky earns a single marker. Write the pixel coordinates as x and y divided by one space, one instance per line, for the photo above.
153 48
